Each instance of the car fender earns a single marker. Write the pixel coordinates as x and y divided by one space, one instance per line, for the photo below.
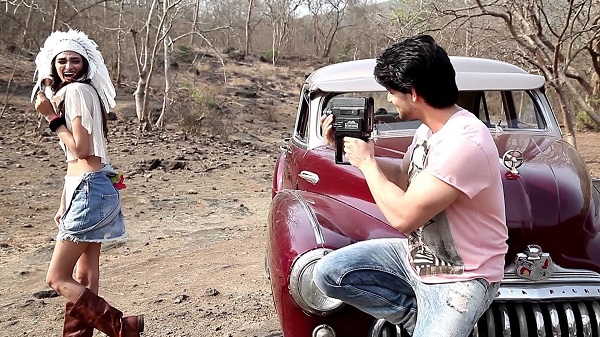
300 221
278 175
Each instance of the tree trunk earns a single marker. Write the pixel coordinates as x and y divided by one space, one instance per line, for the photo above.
160 122
567 116
247 27
119 44
195 23
144 63
273 45
26 30
139 95
55 14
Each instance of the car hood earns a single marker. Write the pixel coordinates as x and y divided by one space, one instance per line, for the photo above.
550 202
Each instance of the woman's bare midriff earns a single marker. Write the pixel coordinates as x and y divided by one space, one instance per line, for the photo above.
80 166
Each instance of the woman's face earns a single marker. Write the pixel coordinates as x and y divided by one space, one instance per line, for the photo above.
69 65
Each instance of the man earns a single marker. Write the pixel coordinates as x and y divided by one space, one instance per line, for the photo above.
446 197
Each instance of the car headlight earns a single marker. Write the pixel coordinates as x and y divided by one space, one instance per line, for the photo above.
303 289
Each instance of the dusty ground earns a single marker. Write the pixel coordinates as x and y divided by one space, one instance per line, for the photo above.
195 205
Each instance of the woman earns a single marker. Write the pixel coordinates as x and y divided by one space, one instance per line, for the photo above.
90 209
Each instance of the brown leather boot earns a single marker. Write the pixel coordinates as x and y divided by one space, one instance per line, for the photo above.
95 311
74 327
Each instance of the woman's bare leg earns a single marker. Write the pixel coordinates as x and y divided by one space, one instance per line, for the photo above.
88 267
60 272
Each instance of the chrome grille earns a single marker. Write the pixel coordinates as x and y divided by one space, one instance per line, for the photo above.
556 319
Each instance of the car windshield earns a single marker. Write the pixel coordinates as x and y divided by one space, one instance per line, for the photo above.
505 109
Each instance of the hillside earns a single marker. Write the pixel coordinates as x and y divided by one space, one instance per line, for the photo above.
196 201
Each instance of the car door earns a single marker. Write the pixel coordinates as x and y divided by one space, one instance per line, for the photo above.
294 147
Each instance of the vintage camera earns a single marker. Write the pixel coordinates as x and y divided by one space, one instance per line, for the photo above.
352 117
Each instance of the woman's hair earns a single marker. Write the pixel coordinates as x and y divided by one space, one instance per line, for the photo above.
419 63
81 76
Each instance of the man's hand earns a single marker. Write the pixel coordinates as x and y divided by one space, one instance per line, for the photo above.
358 152
327 127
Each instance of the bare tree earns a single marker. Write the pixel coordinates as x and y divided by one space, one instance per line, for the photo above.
196 15
249 26
160 123
146 59
327 20
557 38
55 14
281 15
119 62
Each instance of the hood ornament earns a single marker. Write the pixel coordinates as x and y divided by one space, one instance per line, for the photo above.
534 264
512 160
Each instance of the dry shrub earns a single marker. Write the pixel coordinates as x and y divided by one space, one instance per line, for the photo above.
271 115
200 111
270 111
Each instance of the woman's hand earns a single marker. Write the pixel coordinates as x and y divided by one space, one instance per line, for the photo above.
59 214
43 106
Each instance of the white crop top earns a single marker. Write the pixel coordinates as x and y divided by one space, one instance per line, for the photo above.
81 100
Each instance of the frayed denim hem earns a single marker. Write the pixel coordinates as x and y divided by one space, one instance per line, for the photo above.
73 238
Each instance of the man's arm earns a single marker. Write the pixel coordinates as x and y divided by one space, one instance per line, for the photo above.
394 171
406 211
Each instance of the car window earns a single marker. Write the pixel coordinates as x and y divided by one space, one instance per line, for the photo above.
507 109
492 106
527 111
386 117
301 130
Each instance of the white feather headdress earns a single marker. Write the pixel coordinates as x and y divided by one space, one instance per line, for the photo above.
76 41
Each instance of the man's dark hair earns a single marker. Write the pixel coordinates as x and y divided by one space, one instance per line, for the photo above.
418 62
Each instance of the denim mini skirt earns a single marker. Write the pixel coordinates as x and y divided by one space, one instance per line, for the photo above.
92 209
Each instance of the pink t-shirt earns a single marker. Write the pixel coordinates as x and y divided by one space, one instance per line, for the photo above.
468 239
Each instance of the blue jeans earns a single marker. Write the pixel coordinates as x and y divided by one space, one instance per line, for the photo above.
375 277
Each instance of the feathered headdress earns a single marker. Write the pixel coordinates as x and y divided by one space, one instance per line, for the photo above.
76 41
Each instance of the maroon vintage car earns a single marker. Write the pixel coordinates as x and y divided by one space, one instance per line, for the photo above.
551 285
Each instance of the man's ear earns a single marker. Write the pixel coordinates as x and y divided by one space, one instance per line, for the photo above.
413 94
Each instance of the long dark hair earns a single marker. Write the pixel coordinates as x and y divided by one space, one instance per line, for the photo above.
81 76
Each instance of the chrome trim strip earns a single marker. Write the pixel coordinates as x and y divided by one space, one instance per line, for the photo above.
505 320
539 320
377 328
522 319
533 291
560 274
312 217
475 332
586 322
311 177
570 316
596 312
554 320
564 283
